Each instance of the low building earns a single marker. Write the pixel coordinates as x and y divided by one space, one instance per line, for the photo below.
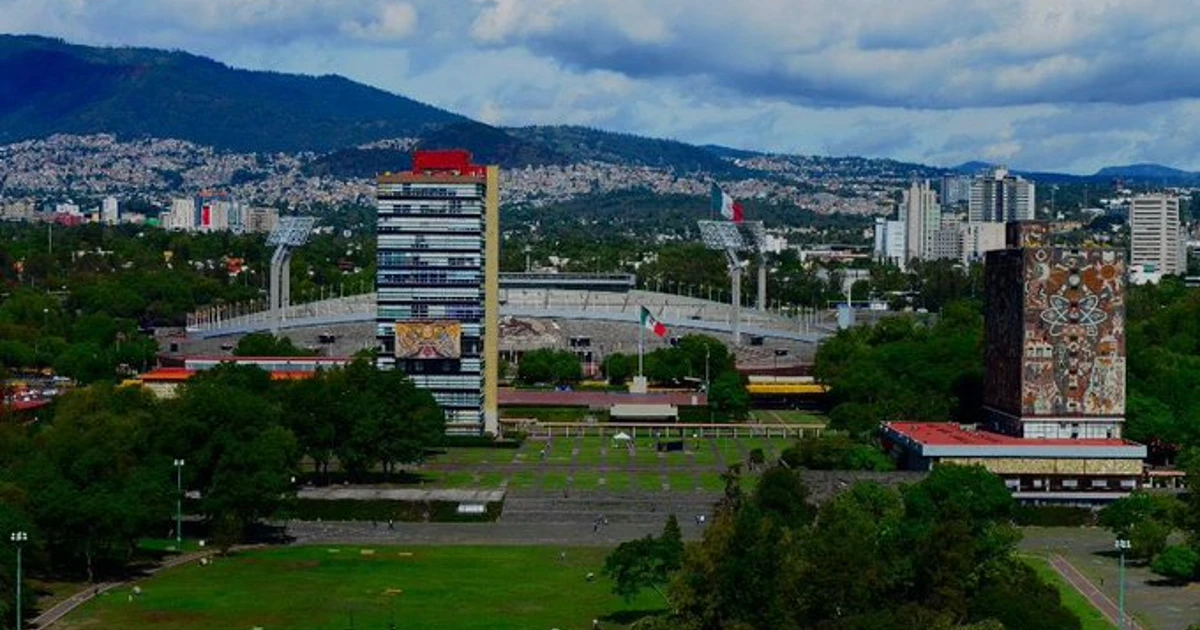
1061 471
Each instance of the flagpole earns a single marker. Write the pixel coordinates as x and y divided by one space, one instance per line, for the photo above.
641 346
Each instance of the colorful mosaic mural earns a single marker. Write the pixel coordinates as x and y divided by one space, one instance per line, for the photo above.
1074 332
1055 331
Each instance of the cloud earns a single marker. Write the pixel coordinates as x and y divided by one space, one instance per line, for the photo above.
1045 84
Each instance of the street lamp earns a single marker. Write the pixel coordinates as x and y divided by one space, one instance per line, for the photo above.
1122 546
17 538
179 504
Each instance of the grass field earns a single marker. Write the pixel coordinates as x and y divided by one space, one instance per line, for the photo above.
787 416
1088 615
311 588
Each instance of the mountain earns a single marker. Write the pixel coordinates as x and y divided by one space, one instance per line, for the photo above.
584 143
1146 172
48 86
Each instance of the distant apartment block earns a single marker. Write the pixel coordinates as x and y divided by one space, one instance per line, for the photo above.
999 196
110 211
922 216
216 212
956 191
1157 243
890 242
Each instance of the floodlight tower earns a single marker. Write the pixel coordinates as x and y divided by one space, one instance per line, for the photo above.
290 233
724 236
758 238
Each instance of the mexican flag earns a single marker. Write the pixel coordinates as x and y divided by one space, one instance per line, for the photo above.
721 202
651 324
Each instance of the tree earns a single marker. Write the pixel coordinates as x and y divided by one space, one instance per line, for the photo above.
1148 538
268 345
617 367
728 395
1176 563
548 365
782 494
646 563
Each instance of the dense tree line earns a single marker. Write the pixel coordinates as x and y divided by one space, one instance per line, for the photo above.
905 369
99 474
936 554
81 300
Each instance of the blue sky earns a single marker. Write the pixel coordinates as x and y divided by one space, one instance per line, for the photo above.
1066 85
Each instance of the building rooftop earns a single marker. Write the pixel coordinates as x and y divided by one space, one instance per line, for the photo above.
947 439
952 434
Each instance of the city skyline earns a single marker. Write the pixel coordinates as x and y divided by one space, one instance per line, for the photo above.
1036 85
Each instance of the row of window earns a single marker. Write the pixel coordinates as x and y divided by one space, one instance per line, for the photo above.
406 259
449 242
402 295
428 278
386 191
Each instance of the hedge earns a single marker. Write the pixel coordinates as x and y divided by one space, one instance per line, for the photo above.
1054 516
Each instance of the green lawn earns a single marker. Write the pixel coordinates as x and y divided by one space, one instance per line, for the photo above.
787 416
1089 616
311 588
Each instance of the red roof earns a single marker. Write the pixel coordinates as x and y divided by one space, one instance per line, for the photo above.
168 374
951 434
27 405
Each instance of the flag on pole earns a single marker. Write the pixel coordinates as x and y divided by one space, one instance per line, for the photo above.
651 324
721 202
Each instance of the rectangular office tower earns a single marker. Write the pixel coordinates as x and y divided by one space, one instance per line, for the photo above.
1055 338
438 283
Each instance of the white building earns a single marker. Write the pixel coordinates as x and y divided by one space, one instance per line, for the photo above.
922 215
1155 234
181 216
889 241
998 196
110 211
979 238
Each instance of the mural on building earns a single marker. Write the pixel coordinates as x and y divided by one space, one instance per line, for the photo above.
1074 333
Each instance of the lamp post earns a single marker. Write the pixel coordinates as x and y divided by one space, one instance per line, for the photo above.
1122 546
17 538
179 504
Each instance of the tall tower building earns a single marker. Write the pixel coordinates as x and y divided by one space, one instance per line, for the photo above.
998 196
438 283
1154 231
922 217
1055 348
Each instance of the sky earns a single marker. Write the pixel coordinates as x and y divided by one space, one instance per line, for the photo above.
1066 85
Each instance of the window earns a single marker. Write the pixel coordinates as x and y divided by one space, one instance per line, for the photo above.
1070 483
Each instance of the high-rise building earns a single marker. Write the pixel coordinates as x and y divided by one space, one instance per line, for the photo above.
922 216
438 283
956 191
947 240
999 196
1156 240
1055 354
110 211
890 241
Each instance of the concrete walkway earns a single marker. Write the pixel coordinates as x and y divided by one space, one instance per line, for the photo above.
63 608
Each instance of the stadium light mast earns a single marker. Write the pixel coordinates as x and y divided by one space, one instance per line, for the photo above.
758 238
289 234
725 236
